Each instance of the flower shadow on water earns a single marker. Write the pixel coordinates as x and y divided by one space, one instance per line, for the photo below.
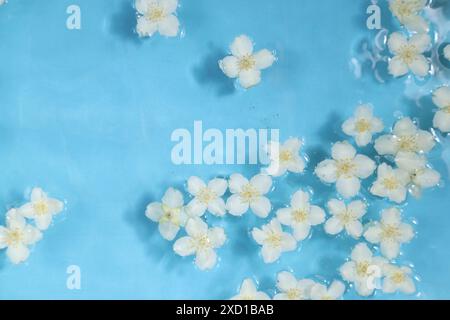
422 111
123 23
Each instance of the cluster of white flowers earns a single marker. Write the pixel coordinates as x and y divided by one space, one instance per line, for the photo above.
18 234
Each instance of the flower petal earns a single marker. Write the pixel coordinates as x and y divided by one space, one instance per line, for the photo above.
17 253
396 42
441 97
348 187
397 67
364 166
262 183
261 207
390 249
386 144
441 121
343 151
168 230
43 221
288 242
218 186
206 259
242 46
173 198
336 207
421 41
169 26
237 182
316 215
169 6
326 171
264 59
145 27
270 254
196 208
196 227
184 246
230 66
354 229
336 290
217 237
373 234
236 206
301 231
195 185
217 207
286 281
333 226
357 208
361 252
420 66
249 78
154 211
259 236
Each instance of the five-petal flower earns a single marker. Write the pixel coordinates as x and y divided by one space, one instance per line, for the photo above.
320 291
363 125
285 157
398 279
391 183
441 98
346 217
157 15
206 196
292 289
248 291
408 13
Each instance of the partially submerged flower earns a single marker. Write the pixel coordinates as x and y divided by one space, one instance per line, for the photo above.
244 64
363 125
301 215
345 169
285 157
390 232
206 196
292 289
334 292
441 98
408 13
248 291
17 236
391 183
200 242
170 213
41 208
157 15
346 217
398 279
408 54
405 137
249 194
273 241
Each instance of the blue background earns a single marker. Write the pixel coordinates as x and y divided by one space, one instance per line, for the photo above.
87 115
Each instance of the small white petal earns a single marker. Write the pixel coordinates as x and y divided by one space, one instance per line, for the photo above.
249 78
420 66
326 171
169 26
262 183
17 253
206 259
195 185
168 230
217 207
300 200
286 281
390 249
270 254
441 96
361 252
333 226
236 206
336 207
154 211
196 228
441 121
316 215
364 166
421 41
184 246
217 237
397 67
354 229
261 207
230 66
396 42
343 151
427 178
348 187
386 144
373 234
237 182
301 231
242 46
264 59
146 28
218 186
173 198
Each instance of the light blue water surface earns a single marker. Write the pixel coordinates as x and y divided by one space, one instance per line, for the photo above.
87 115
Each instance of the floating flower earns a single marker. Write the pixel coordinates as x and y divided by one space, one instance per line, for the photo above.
391 183
405 137
41 208
363 125
408 54
345 217
408 13
390 233
421 176
363 269
206 196
285 157
157 15
292 289
345 169
17 236
248 291
441 98
398 279
447 52
170 214
200 241
301 215
334 292
273 241
249 194
244 64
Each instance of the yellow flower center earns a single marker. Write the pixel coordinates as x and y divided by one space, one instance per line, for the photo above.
206 195
390 232
41 207
286 156
402 9
14 237
345 167
247 63
203 242
155 14
362 125
391 183
300 215
293 294
171 215
362 268
345 217
274 239
249 193
408 53
446 109
407 143
246 298
398 277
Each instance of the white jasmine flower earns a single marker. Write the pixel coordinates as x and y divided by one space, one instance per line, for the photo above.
170 214
345 169
363 269
363 125
273 241
200 241
405 137
206 196
421 176
41 208
17 236
157 15
408 13
408 54
285 157
248 291
390 233
334 292
441 98
301 215
447 52
292 289
244 64
398 279
391 183
249 194
345 217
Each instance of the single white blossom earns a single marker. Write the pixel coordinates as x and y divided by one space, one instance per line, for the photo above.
447 52
441 98
157 15
363 269
17 236
170 213
285 157
345 169
292 289
301 215
408 13
249 194
363 125
408 54
405 137
346 217
273 241
398 279
248 291
391 183
390 232
244 64
41 208
334 292
206 196
200 242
